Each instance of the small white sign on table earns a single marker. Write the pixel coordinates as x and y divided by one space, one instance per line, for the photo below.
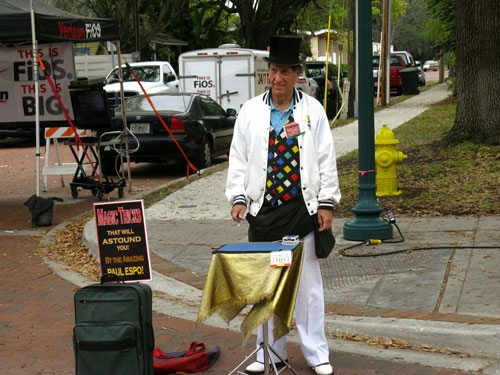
281 258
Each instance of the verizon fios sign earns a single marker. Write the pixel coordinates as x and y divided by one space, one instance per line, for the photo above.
88 31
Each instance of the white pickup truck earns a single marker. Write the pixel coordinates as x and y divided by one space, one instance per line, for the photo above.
155 77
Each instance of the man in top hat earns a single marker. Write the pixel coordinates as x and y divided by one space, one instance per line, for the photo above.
282 169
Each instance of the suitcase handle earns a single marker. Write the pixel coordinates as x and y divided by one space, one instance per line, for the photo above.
111 277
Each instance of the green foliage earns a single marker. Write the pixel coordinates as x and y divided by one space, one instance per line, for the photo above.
442 26
211 26
398 10
411 34
435 179
314 16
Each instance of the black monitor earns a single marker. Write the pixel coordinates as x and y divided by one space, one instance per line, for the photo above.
91 109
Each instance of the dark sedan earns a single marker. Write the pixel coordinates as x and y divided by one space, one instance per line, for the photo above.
201 127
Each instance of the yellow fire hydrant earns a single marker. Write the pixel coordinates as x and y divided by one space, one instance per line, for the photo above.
386 158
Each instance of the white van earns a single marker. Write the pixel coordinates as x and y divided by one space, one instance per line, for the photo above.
229 74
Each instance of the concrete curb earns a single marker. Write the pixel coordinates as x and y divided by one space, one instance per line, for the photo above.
478 340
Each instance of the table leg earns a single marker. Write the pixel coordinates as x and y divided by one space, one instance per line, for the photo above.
266 348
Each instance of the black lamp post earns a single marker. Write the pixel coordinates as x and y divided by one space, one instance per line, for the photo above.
367 224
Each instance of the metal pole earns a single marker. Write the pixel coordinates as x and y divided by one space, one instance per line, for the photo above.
356 91
379 72
384 54
136 24
327 55
124 117
367 224
265 334
37 99
389 38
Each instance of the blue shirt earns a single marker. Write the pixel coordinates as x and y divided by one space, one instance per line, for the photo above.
278 119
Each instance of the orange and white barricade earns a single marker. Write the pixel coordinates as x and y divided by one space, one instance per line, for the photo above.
60 168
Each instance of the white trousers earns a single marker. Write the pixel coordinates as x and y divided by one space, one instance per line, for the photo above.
309 314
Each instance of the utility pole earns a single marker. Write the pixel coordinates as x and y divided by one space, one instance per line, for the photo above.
351 60
384 55
367 224
137 32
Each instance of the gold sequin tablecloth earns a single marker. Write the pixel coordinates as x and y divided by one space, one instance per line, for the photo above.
235 280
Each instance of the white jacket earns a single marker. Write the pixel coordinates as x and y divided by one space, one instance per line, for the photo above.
249 151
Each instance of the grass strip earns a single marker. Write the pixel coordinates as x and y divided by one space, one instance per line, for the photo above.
436 179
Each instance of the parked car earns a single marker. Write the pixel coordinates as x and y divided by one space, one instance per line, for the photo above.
155 76
430 65
421 74
317 71
307 84
396 64
201 127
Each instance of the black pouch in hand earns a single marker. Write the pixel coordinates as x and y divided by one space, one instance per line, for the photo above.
324 241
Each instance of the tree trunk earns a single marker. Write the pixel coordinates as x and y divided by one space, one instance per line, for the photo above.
477 72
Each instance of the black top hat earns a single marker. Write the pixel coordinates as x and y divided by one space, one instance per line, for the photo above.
284 50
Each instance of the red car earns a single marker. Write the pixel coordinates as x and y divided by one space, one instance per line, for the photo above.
397 64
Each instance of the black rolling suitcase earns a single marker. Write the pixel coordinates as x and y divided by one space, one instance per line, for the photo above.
113 331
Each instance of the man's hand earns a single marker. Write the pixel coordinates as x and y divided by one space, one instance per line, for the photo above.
325 219
238 212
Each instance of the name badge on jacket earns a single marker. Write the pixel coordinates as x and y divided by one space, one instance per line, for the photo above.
293 130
